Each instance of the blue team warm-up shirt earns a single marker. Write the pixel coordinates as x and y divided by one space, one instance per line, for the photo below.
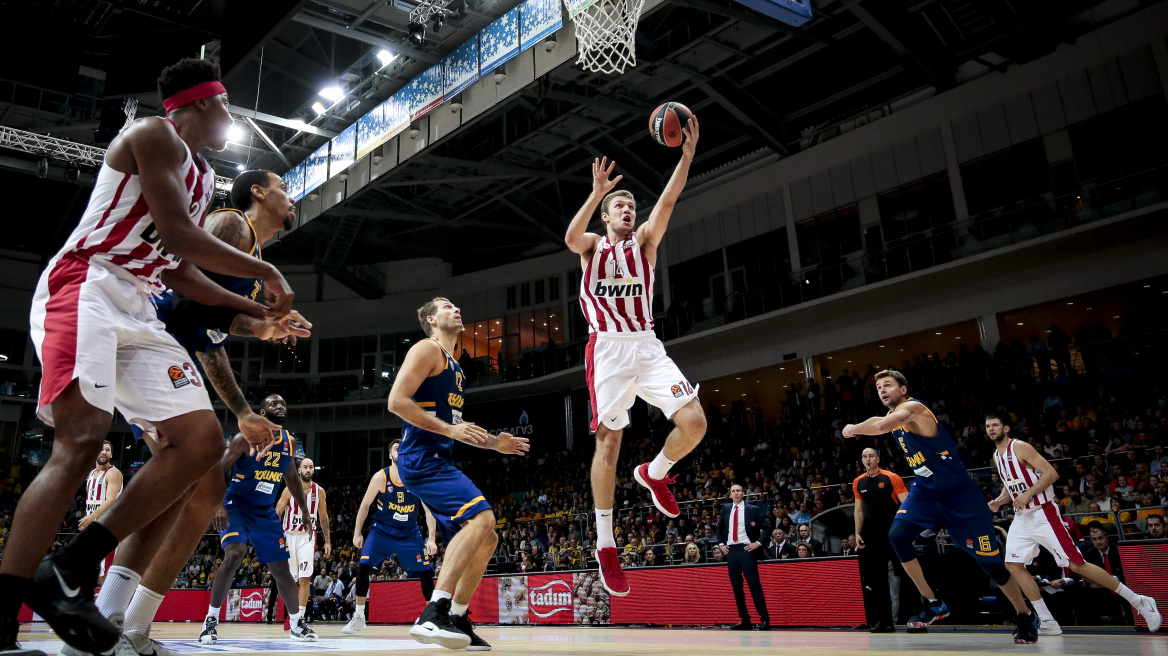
425 460
943 494
251 502
395 528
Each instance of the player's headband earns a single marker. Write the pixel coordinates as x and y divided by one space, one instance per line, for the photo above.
197 92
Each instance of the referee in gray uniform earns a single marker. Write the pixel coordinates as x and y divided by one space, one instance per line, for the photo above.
739 531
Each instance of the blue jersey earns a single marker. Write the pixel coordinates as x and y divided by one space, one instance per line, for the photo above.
934 460
181 321
440 396
255 483
397 508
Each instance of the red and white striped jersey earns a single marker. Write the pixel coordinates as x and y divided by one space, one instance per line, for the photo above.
1018 477
96 489
292 523
117 226
616 290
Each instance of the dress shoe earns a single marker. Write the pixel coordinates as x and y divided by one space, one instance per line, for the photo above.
765 626
882 628
742 626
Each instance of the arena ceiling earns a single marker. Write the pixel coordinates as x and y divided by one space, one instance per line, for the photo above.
504 186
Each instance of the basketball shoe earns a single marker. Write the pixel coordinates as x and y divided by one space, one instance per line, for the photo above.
464 624
302 632
210 634
612 577
9 628
140 644
435 627
1049 628
356 624
659 490
117 619
1147 608
64 598
1027 631
929 613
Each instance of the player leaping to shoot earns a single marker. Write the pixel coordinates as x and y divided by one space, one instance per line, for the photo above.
942 494
624 359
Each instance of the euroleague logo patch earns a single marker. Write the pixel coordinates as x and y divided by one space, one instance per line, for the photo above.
177 377
969 543
680 389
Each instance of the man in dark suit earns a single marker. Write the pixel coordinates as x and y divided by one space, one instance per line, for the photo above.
1102 600
804 531
348 574
740 528
780 548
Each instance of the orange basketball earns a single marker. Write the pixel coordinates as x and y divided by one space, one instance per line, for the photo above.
666 122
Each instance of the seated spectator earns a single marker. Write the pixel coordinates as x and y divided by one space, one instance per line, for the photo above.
1155 527
804 550
651 558
694 555
779 548
805 537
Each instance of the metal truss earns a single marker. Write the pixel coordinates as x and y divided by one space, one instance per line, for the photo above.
70 152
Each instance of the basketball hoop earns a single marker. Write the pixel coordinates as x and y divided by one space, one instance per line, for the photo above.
605 30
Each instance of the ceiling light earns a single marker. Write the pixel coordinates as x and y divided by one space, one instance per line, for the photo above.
938 333
318 108
417 34
1019 323
235 133
333 93
1070 303
43 167
438 21
1146 286
1115 317
385 57
240 167
881 346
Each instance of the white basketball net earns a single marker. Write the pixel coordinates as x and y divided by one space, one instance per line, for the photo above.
605 30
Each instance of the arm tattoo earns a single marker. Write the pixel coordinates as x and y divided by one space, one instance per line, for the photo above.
242 326
231 227
218 370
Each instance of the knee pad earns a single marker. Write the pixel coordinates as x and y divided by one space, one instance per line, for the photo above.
901 537
362 587
997 572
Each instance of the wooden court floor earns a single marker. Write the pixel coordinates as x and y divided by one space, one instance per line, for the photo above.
262 638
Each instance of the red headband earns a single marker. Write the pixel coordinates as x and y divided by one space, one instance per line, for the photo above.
188 96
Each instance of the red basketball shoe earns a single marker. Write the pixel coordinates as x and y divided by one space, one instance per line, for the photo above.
612 577
659 489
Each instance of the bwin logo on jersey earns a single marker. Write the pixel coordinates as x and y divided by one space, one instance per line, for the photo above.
631 287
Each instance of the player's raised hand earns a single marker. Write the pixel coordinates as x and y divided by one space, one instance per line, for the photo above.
601 171
859 542
511 445
277 295
431 546
358 540
283 329
328 548
305 518
690 144
849 430
994 505
468 432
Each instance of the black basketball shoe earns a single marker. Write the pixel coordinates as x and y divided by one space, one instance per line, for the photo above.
464 624
64 598
9 627
1027 632
434 626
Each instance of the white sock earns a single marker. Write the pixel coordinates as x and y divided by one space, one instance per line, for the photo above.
604 537
115 595
141 611
361 610
303 609
213 611
457 608
438 594
293 619
1129 596
659 468
1042 610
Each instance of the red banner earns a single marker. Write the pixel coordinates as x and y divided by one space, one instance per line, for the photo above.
1143 570
191 606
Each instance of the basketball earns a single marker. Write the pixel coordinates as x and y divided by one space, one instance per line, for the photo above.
666 123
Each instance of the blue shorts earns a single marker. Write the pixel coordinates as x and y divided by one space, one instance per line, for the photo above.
962 510
445 490
411 553
262 527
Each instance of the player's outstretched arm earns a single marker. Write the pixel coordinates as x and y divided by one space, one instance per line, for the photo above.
293 484
880 425
255 428
651 233
578 239
376 484
323 518
235 450
425 359
282 502
188 281
431 531
158 155
506 443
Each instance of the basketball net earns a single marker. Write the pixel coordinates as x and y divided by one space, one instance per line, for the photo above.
605 30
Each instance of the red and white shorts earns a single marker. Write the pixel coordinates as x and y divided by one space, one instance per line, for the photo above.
301 547
622 366
1041 527
106 564
97 324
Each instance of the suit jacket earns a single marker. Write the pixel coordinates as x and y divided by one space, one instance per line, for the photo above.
851 552
1092 555
774 552
346 576
755 521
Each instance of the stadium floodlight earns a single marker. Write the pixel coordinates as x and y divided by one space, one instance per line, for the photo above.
235 133
240 167
318 108
417 34
385 57
333 93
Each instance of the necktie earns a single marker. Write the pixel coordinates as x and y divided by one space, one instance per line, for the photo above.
1106 562
736 526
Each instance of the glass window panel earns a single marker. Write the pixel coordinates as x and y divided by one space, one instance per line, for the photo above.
540 327
480 339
